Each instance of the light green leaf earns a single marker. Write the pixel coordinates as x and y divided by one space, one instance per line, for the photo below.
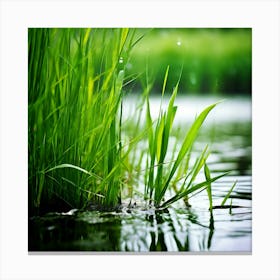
228 194
209 187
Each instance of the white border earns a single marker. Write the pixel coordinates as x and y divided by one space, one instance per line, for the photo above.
17 16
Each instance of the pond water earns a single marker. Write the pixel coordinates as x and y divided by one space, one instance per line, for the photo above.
178 229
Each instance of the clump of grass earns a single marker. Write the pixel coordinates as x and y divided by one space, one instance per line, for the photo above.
158 181
77 154
74 114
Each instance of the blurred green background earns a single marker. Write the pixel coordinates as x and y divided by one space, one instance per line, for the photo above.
212 60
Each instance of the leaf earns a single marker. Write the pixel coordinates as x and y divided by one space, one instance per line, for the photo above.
191 190
119 82
86 36
68 165
228 194
159 137
165 80
124 33
198 165
209 188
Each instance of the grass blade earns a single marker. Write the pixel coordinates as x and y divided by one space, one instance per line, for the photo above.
165 80
228 194
209 188
191 190
67 165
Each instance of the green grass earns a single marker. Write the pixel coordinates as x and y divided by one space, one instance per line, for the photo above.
77 140
158 144
228 194
75 82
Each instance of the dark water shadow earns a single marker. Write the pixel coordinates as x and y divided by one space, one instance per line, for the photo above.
157 231
67 233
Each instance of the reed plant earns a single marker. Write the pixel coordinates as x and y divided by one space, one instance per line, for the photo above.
74 117
77 151
159 181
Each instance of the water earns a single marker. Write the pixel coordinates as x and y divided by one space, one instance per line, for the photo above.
178 229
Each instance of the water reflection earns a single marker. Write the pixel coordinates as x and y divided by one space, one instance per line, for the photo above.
170 230
140 230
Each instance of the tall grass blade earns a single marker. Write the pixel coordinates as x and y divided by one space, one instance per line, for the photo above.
165 80
209 188
228 194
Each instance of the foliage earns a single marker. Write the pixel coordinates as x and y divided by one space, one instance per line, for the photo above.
74 98
77 154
